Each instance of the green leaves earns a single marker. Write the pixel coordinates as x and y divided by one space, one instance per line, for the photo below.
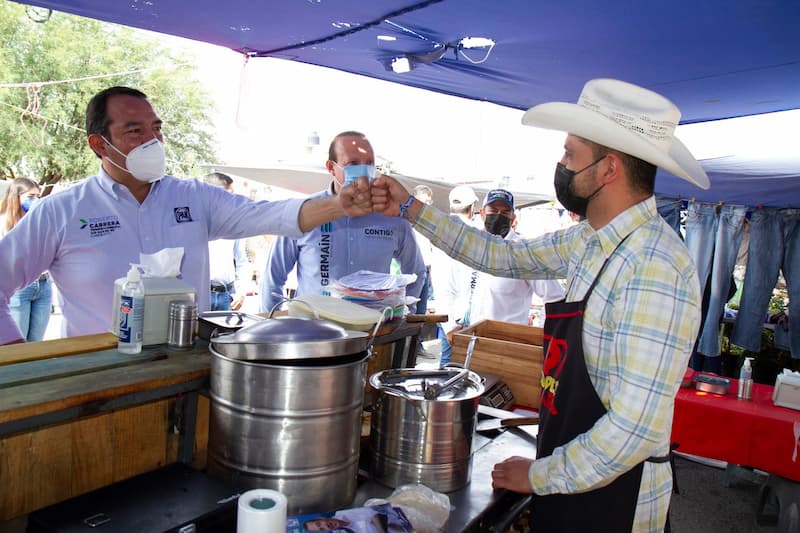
42 126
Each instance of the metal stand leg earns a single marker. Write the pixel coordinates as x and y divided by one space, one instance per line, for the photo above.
188 420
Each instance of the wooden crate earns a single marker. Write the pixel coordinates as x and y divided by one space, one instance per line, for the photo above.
512 352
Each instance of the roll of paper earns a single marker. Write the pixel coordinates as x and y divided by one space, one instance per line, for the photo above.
261 510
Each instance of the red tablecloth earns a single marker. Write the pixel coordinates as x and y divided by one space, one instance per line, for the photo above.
753 433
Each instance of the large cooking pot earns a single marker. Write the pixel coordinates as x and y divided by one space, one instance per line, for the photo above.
422 427
286 402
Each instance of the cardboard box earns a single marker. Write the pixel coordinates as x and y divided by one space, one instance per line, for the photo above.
512 352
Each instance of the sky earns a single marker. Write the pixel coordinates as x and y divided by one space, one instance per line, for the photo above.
267 108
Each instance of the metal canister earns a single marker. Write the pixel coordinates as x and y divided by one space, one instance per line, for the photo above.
182 324
287 395
745 389
422 427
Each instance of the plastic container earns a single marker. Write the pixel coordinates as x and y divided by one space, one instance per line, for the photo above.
158 293
746 380
131 313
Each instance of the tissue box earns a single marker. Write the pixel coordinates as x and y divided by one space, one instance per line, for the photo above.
787 391
158 293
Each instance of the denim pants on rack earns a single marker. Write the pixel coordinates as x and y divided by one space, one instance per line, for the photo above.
713 236
774 246
670 210
30 308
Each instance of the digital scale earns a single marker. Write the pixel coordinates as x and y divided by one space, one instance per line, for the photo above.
496 393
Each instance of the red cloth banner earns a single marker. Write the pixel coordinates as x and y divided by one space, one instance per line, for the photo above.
753 433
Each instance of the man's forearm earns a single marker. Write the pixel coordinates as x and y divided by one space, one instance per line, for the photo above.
317 211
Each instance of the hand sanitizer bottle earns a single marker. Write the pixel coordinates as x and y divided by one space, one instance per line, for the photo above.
746 380
131 313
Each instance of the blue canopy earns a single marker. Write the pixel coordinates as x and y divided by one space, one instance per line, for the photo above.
715 59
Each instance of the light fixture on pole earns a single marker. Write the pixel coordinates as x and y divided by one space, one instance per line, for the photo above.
401 65
408 61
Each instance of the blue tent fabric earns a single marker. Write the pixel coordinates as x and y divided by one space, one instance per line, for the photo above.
772 181
715 59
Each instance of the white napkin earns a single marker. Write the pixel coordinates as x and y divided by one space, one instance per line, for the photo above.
165 263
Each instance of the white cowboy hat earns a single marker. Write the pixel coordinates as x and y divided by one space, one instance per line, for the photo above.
625 117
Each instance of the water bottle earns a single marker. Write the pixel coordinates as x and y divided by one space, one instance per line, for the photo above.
131 313
746 380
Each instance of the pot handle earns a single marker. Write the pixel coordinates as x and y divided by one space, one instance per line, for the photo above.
403 394
285 299
433 392
378 324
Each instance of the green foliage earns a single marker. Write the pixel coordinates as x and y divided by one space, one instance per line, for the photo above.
778 300
42 129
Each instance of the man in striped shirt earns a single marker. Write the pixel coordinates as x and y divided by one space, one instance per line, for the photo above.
618 345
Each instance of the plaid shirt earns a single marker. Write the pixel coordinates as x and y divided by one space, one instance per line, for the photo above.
640 325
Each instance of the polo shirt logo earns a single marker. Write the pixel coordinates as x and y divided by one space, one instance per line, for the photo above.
182 214
325 256
378 232
554 360
100 226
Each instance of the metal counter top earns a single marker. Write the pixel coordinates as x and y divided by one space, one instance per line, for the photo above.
476 507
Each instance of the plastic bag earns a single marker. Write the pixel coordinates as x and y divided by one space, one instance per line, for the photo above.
376 290
367 280
426 509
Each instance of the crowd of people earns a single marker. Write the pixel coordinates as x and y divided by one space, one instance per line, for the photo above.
612 366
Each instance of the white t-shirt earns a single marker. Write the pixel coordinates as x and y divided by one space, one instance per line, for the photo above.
451 281
229 264
509 300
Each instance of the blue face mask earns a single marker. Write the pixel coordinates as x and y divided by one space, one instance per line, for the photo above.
353 172
27 203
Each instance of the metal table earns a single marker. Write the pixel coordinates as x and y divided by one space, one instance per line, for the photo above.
476 507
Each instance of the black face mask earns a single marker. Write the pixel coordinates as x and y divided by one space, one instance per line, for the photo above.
563 182
497 224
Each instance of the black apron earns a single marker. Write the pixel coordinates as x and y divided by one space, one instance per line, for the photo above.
570 406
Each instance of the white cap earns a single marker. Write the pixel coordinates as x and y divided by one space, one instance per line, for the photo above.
462 196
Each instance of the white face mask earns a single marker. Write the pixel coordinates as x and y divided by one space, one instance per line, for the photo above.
146 162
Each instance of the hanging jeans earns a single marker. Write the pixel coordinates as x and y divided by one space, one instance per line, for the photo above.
713 236
30 308
425 293
774 246
447 350
670 210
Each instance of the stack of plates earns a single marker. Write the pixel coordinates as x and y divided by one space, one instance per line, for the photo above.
349 315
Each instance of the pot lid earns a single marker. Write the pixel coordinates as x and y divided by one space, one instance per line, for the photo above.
416 384
289 338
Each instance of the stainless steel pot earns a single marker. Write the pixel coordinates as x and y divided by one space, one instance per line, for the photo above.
422 427
286 403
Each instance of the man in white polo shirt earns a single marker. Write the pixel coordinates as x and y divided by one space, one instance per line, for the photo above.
87 235
506 299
